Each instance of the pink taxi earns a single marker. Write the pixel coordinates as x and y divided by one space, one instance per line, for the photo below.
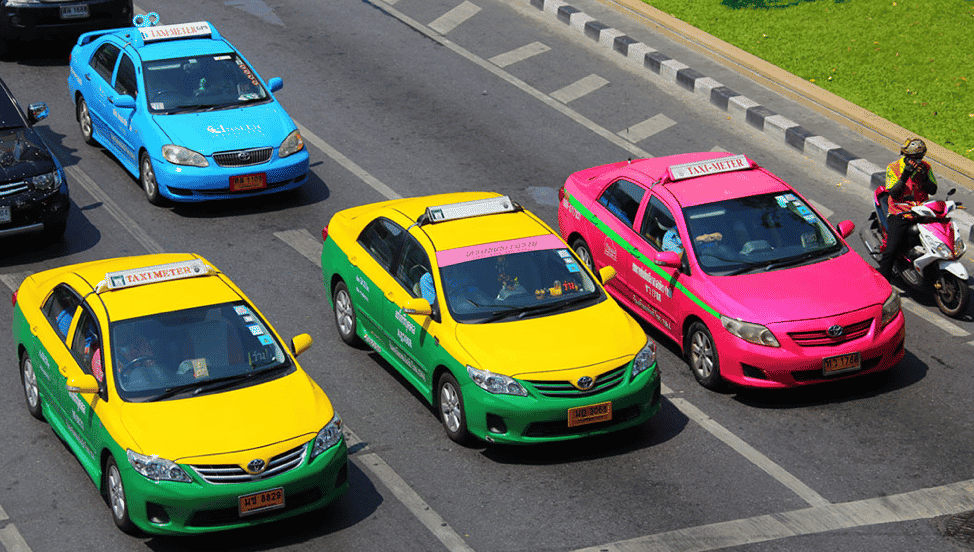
735 266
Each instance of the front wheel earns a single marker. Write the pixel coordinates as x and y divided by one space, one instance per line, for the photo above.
116 497
450 402
147 178
583 252
701 353
952 294
31 391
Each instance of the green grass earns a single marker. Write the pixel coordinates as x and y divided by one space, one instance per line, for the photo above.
908 61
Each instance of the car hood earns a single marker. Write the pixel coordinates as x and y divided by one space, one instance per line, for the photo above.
229 129
22 154
827 288
548 346
232 422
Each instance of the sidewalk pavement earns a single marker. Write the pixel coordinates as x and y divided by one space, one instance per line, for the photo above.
951 169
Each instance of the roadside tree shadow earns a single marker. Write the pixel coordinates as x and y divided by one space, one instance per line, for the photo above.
766 4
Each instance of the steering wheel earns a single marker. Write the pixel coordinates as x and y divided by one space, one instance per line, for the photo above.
125 373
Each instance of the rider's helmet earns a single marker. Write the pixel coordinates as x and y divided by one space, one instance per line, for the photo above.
913 147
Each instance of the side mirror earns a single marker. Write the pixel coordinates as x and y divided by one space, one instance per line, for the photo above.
418 306
668 259
124 102
846 227
607 273
275 84
301 343
36 112
82 383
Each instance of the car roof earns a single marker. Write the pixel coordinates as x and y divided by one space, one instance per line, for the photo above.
156 42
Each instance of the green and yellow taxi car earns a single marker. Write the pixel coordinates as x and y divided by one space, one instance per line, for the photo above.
175 394
489 314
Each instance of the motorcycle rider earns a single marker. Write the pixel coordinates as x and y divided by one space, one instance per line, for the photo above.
909 182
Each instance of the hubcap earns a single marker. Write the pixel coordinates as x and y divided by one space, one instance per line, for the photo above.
701 354
343 312
30 384
149 177
85 120
116 493
450 406
584 255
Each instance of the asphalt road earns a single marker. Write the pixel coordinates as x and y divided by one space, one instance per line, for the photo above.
414 98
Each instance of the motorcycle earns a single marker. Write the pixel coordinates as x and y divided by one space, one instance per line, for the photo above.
931 252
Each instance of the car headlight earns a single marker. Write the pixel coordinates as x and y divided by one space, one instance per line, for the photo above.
644 358
891 307
752 333
328 437
157 469
45 182
291 145
496 383
178 155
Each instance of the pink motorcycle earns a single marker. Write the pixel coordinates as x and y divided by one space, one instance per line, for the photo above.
930 256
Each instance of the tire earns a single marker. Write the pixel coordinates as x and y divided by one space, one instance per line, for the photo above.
115 493
32 393
952 295
449 404
701 355
85 123
147 179
584 253
345 318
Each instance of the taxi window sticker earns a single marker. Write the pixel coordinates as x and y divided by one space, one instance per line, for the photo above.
256 330
496 249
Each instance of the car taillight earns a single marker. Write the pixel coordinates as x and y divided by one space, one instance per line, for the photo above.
324 233
13 300
561 194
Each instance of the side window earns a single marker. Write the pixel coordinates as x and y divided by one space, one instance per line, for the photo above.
412 266
86 346
125 79
381 239
659 227
622 199
103 62
59 309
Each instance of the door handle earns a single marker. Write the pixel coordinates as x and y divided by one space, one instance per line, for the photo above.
63 369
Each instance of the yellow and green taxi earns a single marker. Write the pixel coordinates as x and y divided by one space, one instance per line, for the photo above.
176 395
489 314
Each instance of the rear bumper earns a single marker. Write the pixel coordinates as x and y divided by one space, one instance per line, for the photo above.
46 21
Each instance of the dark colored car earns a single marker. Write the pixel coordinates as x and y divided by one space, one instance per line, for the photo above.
33 190
31 19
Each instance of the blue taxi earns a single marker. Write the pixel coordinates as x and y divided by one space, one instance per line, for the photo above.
184 111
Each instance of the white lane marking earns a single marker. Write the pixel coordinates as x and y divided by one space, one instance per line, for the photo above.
579 88
519 54
647 128
453 18
921 504
340 158
826 212
747 451
514 81
127 222
719 148
932 317
10 537
304 243
14 279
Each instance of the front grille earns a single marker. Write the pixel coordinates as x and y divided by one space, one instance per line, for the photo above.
232 473
565 389
243 158
821 338
11 188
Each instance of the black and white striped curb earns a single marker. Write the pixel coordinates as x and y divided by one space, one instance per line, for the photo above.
738 107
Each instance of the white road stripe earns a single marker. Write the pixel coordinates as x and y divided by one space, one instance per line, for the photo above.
453 18
579 88
304 243
519 54
929 503
10 538
826 212
932 317
340 158
647 128
13 280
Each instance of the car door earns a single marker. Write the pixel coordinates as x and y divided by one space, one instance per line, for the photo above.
621 203
87 354
96 87
369 275
60 310
121 121
653 285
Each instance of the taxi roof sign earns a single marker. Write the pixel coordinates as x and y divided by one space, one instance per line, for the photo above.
180 30
709 166
153 274
475 208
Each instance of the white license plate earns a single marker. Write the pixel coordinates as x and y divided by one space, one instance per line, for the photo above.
74 12
4 214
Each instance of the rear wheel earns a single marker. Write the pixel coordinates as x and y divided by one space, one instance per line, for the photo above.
115 490
701 353
583 252
450 403
952 294
31 391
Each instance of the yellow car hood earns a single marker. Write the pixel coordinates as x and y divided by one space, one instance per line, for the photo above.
546 347
214 428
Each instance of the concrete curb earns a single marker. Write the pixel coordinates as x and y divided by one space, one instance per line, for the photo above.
738 107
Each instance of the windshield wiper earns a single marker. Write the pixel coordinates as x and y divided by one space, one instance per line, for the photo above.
799 259
173 391
555 307
229 381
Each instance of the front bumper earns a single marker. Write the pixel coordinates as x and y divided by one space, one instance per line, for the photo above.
191 184
537 419
167 507
32 211
45 20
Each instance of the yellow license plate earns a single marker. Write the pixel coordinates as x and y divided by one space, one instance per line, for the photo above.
590 414
248 182
258 502
841 363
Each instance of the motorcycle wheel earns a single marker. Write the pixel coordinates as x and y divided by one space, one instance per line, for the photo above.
952 295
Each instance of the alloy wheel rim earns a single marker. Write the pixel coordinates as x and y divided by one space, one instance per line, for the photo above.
85 120
149 177
30 384
584 255
701 355
450 406
116 492
343 309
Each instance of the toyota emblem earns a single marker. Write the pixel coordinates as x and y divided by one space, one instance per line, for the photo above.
585 383
834 331
255 466
243 156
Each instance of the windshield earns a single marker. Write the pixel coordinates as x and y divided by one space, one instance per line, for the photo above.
201 83
192 349
758 233
542 277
